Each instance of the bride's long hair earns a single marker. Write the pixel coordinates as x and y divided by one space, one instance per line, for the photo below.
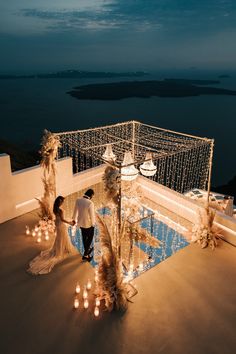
58 202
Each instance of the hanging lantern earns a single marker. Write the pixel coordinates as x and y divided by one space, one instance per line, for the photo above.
86 303
129 171
109 154
148 168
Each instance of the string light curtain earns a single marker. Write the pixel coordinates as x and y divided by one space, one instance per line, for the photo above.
183 161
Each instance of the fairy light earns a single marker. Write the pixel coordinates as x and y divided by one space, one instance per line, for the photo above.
182 160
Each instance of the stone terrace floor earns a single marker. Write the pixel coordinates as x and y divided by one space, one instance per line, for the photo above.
185 305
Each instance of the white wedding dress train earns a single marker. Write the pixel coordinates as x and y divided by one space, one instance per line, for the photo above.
61 249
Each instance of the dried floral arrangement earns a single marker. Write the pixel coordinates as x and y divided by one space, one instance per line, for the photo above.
50 144
111 287
139 234
205 232
112 180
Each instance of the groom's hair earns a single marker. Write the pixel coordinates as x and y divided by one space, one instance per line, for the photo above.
89 193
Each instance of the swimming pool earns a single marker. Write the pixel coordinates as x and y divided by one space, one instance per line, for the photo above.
146 256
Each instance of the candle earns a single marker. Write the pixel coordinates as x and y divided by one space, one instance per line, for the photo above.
76 303
129 273
27 231
89 285
86 303
77 289
46 237
39 239
85 294
97 302
33 233
39 233
96 311
141 266
36 228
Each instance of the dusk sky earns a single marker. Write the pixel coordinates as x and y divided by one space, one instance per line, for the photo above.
38 35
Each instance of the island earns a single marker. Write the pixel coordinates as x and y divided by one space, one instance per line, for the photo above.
224 76
146 89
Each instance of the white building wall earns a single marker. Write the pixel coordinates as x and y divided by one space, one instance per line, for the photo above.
18 190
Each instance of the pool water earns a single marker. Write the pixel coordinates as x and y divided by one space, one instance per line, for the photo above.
171 242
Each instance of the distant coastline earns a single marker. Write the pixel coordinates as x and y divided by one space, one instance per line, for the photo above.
76 74
147 89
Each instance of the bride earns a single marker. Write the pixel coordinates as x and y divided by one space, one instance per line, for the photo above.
62 247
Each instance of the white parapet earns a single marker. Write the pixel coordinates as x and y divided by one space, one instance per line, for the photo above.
19 190
185 207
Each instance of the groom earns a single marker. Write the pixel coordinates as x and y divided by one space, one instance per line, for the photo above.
84 217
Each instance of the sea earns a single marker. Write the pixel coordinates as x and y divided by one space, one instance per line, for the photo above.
28 106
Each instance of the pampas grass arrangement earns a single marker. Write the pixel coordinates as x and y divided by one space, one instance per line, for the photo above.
111 179
50 144
111 287
205 233
139 234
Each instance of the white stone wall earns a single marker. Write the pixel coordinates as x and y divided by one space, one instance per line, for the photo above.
18 190
185 207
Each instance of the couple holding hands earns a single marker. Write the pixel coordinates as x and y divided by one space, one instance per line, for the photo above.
83 217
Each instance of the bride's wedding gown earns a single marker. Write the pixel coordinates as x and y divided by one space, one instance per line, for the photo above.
61 249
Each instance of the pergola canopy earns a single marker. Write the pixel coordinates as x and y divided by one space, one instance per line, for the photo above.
183 161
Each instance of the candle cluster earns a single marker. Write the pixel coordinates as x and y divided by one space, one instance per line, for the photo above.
42 230
85 295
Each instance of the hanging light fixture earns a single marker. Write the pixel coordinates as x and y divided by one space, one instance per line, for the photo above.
148 168
109 154
129 171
